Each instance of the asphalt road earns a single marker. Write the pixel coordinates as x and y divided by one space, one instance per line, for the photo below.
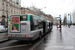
52 41
20 45
59 41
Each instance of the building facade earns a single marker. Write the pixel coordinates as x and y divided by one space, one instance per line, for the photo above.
73 17
36 12
56 21
9 7
28 11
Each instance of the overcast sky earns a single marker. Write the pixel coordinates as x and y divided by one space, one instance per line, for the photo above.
53 7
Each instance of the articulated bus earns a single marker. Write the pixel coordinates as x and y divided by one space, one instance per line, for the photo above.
27 27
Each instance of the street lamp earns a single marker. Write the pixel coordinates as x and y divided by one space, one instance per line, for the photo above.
40 11
7 20
42 8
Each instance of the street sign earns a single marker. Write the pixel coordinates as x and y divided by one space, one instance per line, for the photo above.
68 21
57 17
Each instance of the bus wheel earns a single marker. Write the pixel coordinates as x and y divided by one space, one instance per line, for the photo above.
40 35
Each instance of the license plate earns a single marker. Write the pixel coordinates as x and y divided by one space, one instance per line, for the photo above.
18 35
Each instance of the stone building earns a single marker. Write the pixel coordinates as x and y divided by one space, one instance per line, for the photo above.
56 21
9 7
37 12
27 11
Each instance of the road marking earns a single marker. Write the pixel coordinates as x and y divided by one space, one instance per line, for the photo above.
72 29
32 48
15 46
70 34
38 43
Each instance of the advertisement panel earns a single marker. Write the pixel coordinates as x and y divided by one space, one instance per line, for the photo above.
15 24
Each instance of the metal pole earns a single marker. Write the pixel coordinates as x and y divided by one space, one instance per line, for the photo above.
6 22
65 20
70 18
60 23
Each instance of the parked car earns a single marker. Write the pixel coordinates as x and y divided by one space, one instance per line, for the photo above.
2 28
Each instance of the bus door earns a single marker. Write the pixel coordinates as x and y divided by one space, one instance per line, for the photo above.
44 27
49 26
25 25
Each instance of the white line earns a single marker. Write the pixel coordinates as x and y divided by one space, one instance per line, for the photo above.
70 34
15 46
35 45
32 48
72 29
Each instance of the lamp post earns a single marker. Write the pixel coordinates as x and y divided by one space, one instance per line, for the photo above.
42 8
7 19
40 11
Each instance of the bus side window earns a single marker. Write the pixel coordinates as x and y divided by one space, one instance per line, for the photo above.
40 25
31 23
36 23
23 18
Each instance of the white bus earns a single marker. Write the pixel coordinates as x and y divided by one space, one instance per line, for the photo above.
27 27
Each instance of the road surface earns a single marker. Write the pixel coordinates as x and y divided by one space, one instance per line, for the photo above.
52 41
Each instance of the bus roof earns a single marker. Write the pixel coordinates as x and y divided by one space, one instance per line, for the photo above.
32 15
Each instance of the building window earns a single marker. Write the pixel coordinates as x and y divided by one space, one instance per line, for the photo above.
14 10
11 4
18 11
2 3
11 9
10 0
14 5
6 4
7 0
17 3
7 15
3 8
3 13
7 9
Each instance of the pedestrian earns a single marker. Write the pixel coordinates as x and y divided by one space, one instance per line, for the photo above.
57 27
69 25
